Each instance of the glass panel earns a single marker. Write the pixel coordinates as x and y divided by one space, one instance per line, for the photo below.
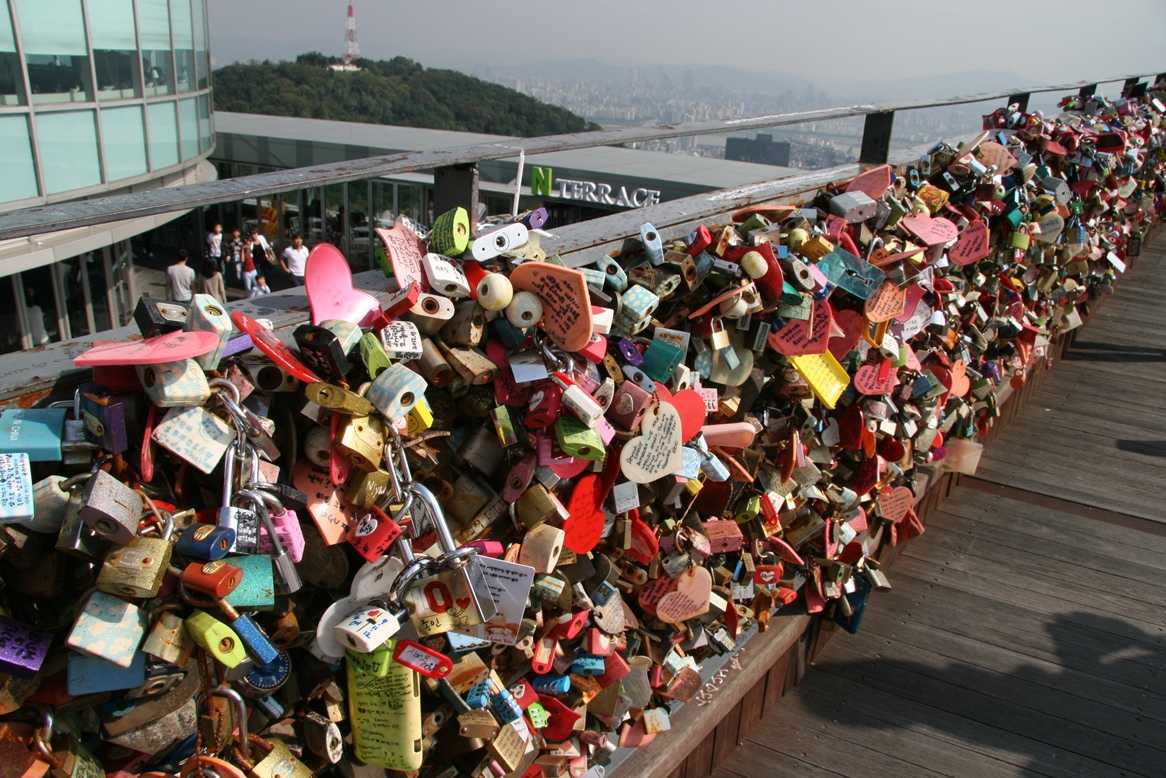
183 44
188 115
9 317
201 63
125 142
19 179
115 48
11 90
154 18
312 225
40 303
68 150
359 228
334 216
96 270
163 135
53 34
205 138
409 201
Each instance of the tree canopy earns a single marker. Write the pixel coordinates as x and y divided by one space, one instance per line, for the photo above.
396 91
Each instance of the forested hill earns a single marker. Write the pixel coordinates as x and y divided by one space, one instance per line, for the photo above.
396 91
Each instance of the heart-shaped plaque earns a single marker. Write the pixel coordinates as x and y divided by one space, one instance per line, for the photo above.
960 383
584 526
886 303
972 245
873 182
876 379
933 231
852 325
690 405
328 283
565 298
691 598
798 337
657 450
894 503
171 347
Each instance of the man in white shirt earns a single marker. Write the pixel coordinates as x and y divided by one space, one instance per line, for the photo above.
295 260
214 244
181 278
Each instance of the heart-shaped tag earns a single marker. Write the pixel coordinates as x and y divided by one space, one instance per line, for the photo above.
266 341
960 383
565 298
691 598
584 525
171 347
852 325
653 591
876 379
405 251
328 284
690 405
992 153
798 337
972 245
873 182
657 450
886 303
894 503
933 231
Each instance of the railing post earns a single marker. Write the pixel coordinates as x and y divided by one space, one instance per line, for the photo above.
1139 90
1129 86
876 138
456 185
1088 90
1020 99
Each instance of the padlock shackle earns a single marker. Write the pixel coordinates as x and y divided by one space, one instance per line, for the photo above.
42 737
436 514
255 498
243 740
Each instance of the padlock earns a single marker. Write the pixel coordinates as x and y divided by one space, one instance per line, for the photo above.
17 497
136 569
396 391
205 541
322 350
107 628
208 315
368 628
22 649
216 638
215 579
239 524
374 533
110 508
384 702
106 417
288 579
460 595
174 384
445 277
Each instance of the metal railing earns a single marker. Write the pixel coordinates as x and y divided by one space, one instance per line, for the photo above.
27 376
455 174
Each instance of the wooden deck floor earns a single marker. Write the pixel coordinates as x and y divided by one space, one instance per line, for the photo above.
1026 633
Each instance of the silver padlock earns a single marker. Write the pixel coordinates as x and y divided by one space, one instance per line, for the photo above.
244 522
111 508
288 579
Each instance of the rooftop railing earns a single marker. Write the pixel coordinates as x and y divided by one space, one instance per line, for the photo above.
28 376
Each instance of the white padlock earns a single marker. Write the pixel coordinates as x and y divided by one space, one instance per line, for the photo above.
445 277
367 628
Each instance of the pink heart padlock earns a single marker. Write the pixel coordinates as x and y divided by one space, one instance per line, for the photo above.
328 283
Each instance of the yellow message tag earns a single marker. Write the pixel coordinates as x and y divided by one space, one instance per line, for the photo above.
824 374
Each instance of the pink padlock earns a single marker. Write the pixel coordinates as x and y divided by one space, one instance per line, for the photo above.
291 534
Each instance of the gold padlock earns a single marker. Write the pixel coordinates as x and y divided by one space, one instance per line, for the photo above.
138 568
363 438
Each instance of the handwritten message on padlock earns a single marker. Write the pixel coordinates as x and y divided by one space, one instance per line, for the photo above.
567 315
656 451
689 600
804 337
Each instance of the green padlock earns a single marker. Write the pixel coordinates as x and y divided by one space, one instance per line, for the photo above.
384 704
373 355
216 638
578 440
258 587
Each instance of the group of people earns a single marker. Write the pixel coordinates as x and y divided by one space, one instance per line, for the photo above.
245 259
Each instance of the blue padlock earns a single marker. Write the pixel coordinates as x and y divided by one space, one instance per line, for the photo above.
256 642
552 683
588 664
505 706
205 542
90 674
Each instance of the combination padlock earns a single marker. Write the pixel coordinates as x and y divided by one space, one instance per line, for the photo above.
288 579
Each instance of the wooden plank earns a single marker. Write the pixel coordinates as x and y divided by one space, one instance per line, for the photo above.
775 683
726 736
974 651
699 762
751 760
906 679
888 714
751 708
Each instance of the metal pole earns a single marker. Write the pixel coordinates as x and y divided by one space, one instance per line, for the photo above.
876 138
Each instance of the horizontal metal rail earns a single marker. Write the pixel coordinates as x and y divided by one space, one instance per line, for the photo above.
83 213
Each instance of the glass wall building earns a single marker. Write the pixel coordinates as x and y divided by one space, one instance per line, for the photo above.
97 97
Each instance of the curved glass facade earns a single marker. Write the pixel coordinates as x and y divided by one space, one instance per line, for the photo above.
98 93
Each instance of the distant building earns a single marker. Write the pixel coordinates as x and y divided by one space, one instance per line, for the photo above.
763 150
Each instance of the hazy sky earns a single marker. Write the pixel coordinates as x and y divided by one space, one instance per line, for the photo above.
828 41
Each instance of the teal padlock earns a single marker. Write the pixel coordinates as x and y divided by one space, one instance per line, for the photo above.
661 360
258 587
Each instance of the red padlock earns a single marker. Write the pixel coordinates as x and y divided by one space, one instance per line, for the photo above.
215 579
372 534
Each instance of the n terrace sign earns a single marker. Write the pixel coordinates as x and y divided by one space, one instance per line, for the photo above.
544 184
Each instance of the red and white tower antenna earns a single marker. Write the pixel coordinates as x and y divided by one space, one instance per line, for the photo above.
351 47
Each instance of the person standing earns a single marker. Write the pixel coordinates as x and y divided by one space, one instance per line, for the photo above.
250 268
212 280
235 251
214 244
295 260
181 278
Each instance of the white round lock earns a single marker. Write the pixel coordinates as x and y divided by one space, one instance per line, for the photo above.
525 310
495 292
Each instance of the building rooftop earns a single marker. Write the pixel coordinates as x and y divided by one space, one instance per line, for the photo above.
381 138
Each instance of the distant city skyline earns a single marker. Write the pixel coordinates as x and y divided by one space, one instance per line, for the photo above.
830 43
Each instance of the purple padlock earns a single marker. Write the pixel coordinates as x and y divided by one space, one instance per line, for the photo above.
22 650
291 535
536 218
630 353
